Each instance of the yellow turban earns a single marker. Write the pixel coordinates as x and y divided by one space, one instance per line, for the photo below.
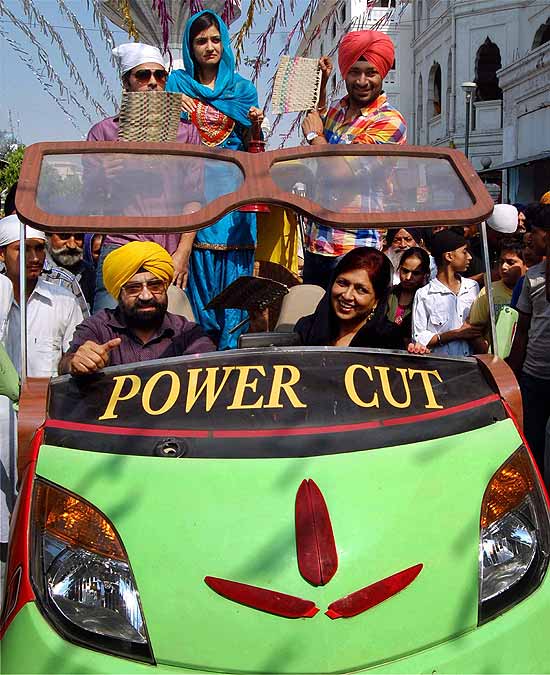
545 199
122 263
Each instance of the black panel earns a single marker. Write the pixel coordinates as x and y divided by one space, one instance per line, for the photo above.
446 398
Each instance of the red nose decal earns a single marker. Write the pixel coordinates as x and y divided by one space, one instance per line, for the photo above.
315 547
372 595
263 599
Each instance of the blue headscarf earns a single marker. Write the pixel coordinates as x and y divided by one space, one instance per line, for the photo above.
88 239
232 94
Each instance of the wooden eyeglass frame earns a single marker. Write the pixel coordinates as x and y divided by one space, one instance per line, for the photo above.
258 186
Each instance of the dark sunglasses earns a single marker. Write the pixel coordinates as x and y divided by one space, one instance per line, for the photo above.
145 75
68 235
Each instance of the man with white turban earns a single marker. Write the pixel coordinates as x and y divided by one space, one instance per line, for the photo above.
137 276
363 116
52 315
52 311
142 69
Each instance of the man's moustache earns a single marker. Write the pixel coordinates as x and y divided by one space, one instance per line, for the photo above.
67 253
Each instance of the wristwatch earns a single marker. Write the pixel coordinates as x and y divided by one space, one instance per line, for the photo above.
311 135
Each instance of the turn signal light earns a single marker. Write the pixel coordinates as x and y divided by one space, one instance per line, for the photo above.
508 488
75 522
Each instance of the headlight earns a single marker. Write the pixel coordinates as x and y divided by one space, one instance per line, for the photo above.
515 536
82 577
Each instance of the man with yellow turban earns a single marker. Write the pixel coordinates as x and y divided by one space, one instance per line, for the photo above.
365 58
137 275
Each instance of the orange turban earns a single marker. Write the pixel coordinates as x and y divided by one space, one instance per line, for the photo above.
373 45
545 199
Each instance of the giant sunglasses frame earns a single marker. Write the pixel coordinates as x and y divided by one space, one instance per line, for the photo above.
258 186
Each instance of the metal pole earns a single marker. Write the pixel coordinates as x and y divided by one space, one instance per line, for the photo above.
23 300
467 132
489 287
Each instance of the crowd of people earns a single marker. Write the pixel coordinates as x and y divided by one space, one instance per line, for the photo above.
94 301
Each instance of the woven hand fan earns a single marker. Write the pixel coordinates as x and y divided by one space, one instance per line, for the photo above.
297 85
151 116
249 293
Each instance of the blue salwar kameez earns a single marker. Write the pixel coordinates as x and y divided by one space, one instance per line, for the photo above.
224 251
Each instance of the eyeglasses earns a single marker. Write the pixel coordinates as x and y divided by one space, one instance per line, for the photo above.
220 182
145 75
68 235
154 286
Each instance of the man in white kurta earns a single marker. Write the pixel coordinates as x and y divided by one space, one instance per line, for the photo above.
52 316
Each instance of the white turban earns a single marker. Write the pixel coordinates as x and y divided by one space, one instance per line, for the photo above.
504 219
10 231
133 54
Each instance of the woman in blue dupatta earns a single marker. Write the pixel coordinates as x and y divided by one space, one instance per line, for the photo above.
223 106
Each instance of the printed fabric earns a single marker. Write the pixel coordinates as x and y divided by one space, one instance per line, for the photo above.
378 122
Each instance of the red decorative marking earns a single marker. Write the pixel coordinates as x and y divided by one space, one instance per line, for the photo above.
360 426
127 431
315 546
268 433
332 614
295 431
18 588
273 602
372 595
441 413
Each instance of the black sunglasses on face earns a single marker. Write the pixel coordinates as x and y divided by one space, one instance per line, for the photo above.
145 75
68 235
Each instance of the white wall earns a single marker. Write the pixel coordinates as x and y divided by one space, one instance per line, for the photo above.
463 27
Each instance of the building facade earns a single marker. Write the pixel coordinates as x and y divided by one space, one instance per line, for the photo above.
502 46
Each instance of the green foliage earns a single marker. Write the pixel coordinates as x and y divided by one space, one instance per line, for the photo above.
10 168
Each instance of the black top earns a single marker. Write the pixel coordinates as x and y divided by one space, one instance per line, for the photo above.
321 328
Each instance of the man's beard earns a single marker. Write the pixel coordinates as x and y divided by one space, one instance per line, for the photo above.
137 318
67 257
395 256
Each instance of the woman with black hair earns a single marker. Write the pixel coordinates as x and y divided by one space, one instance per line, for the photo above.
223 107
414 272
352 312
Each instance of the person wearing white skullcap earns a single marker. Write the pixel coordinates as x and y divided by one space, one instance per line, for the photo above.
142 70
52 311
52 316
134 54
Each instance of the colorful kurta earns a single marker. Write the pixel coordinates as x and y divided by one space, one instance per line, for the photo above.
379 122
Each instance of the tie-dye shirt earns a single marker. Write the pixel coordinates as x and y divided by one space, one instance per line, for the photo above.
379 122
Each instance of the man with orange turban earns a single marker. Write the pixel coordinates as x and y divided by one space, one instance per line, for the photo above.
137 276
363 116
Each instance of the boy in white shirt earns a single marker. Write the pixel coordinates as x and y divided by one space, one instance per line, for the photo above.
441 309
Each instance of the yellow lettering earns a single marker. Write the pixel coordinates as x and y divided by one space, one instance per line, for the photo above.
352 391
170 399
385 380
209 384
242 385
117 396
278 385
425 375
